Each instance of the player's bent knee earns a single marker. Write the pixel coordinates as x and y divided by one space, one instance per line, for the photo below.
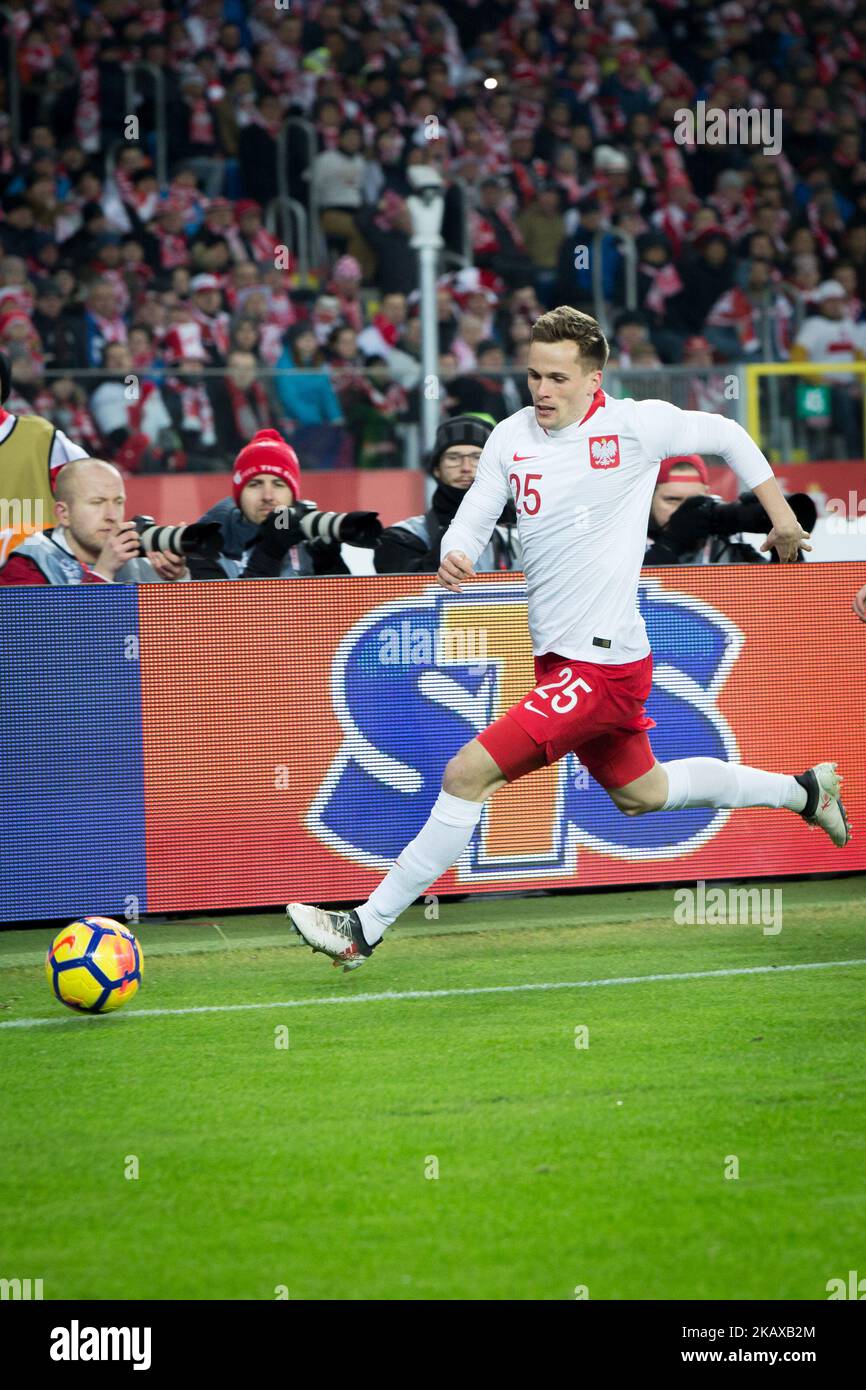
459 777
645 794
471 774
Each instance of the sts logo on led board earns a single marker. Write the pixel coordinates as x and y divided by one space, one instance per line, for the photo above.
418 677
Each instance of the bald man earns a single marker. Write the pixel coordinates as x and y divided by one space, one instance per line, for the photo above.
92 544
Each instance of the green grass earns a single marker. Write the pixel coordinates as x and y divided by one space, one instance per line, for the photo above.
558 1166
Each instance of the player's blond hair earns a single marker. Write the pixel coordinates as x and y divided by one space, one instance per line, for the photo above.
566 324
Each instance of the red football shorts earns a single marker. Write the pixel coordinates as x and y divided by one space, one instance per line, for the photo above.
594 711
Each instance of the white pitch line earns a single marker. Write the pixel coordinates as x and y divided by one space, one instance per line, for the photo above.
395 996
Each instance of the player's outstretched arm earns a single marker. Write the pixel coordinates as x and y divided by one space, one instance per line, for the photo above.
478 513
665 430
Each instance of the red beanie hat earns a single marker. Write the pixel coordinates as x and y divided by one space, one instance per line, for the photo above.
693 460
267 452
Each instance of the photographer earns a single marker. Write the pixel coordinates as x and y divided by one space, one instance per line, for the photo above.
689 526
267 533
92 544
412 546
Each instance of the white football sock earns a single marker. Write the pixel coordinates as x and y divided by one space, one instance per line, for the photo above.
711 782
438 844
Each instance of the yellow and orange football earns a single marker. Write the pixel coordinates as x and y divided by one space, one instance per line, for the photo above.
94 965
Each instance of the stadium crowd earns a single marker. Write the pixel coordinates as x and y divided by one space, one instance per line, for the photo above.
554 128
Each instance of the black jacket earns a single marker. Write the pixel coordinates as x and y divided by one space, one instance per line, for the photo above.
241 536
400 551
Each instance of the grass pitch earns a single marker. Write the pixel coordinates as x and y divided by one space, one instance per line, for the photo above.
310 1169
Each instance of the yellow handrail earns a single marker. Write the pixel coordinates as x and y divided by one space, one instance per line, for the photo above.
755 370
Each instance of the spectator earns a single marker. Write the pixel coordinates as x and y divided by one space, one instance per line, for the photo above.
705 280
387 231
488 391
574 284
308 399
374 405
213 321
631 332
17 230
644 357
131 415
831 335
381 338
470 333
412 546
386 171
258 149
142 349
240 403
337 181
345 286
542 227
707 389
67 409
188 402
497 243
198 132
103 322
250 240
344 360
245 336
92 544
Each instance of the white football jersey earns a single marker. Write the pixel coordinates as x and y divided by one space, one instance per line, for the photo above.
583 497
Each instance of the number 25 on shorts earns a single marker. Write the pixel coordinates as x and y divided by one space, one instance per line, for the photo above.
566 699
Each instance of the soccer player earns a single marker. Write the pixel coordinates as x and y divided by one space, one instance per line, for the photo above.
576 453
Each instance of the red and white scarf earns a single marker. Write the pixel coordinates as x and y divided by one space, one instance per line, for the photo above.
250 408
197 413
201 124
214 331
734 310
173 249
666 282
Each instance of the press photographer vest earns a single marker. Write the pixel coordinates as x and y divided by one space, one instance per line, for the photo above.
26 501
59 567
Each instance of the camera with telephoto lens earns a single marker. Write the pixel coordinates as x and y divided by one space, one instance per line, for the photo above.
699 518
305 522
201 538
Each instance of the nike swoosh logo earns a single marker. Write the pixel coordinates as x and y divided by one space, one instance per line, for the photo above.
523 458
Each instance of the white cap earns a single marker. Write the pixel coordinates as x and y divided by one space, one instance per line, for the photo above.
204 282
606 157
830 289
